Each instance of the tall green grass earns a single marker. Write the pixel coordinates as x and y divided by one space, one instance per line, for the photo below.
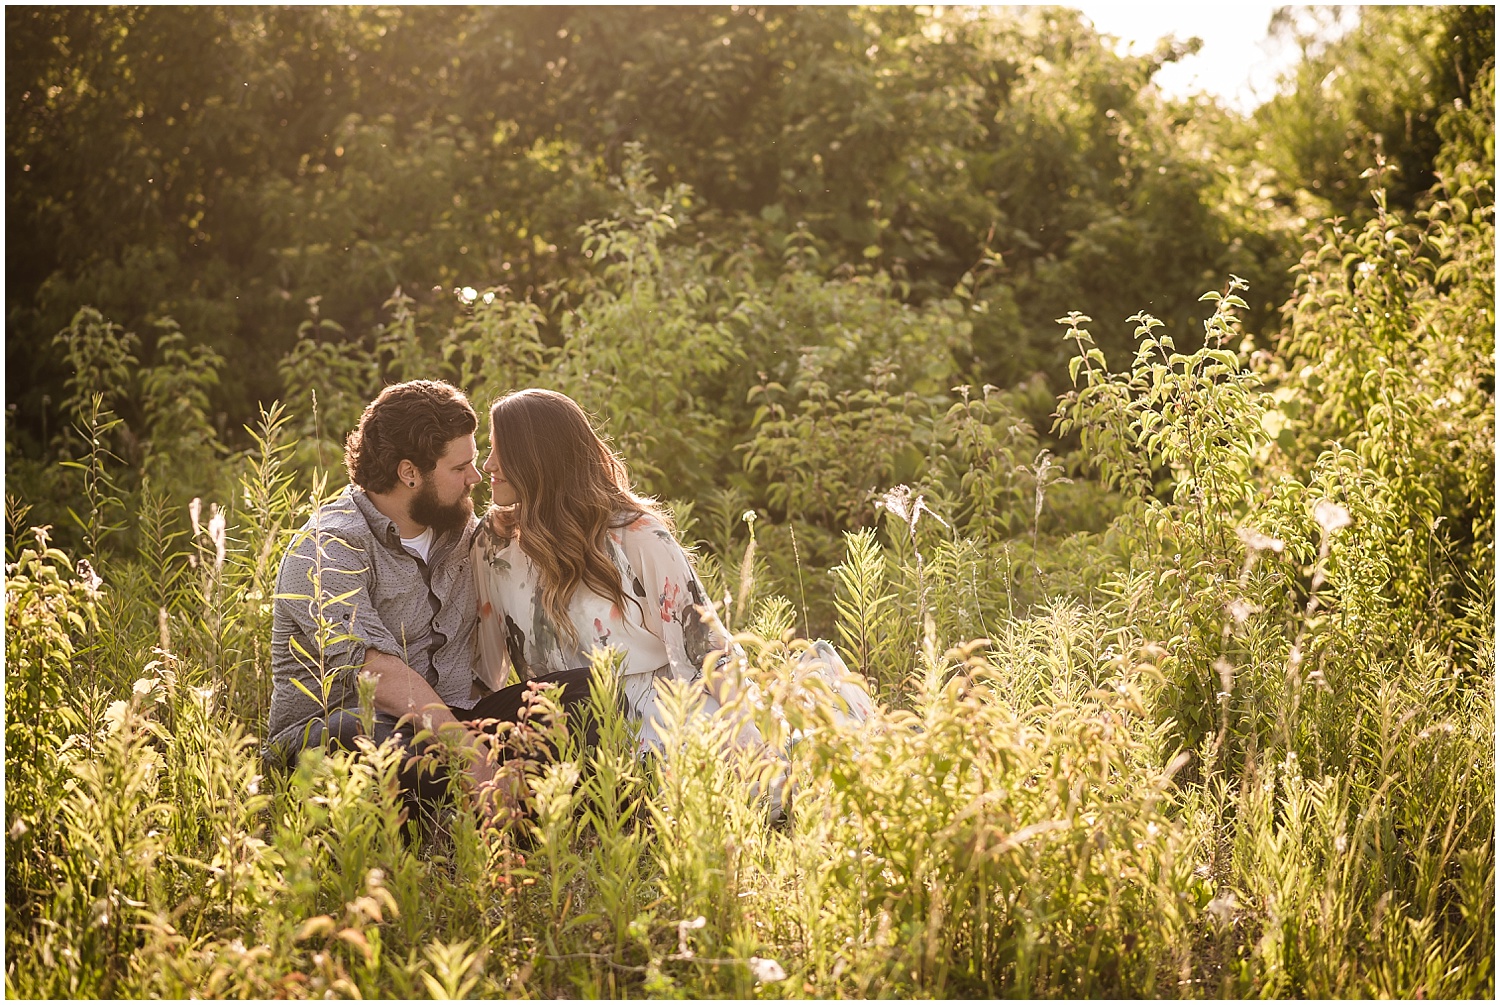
1231 735
1019 818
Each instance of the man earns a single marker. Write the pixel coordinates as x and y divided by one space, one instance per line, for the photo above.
378 583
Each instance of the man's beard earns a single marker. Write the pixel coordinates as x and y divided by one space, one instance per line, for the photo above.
427 511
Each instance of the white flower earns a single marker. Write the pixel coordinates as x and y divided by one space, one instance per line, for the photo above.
901 502
216 532
114 717
684 951
765 970
1241 609
468 294
1223 907
1256 541
1331 516
898 501
86 574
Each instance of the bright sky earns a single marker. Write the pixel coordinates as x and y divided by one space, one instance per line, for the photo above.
1239 61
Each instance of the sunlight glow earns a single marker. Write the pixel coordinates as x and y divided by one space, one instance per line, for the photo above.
1240 62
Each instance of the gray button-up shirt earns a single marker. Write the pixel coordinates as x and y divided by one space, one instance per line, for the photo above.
346 586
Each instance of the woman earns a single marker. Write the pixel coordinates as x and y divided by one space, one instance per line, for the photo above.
570 561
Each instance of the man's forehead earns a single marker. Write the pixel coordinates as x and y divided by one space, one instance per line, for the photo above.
460 449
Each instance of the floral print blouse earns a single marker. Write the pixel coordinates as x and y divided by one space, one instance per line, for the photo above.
660 632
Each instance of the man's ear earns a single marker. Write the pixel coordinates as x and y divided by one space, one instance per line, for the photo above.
407 472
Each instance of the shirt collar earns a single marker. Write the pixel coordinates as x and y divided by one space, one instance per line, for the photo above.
384 528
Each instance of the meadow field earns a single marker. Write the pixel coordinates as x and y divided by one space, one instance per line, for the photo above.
1138 453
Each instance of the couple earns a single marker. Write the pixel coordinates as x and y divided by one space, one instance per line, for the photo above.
397 579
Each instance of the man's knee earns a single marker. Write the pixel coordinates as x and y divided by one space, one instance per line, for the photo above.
342 728
337 731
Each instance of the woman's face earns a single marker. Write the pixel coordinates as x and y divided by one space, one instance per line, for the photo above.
502 493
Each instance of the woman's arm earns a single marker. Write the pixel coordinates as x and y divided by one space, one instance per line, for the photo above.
679 612
676 607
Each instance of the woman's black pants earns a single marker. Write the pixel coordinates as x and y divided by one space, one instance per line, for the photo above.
420 783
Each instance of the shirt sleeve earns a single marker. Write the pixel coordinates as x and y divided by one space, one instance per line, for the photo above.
324 591
675 601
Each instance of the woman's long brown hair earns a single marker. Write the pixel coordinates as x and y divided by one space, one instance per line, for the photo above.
571 488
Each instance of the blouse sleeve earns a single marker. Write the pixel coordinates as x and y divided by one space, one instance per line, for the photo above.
673 597
493 666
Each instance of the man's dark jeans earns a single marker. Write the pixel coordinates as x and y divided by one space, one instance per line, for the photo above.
420 783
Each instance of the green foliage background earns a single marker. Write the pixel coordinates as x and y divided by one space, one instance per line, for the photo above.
1227 727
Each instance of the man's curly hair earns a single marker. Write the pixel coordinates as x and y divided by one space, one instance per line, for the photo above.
413 421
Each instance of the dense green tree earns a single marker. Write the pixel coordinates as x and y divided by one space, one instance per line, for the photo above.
225 166
1378 89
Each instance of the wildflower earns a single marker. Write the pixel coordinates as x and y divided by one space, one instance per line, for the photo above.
765 970
1331 516
164 666
1222 907
1226 677
149 687
1256 541
90 579
216 532
1240 609
194 508
114 717
899 501
684 951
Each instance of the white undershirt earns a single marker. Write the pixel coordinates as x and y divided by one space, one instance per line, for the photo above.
421 545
